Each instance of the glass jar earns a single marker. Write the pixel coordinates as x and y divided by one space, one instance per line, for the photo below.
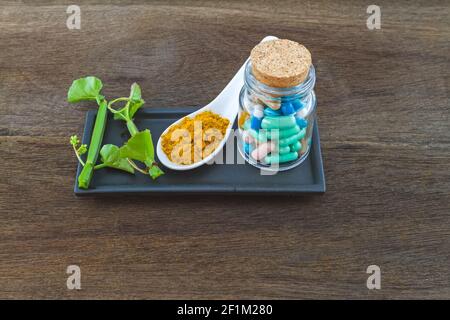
275 125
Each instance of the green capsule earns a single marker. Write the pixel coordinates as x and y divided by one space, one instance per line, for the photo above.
292 139
302 133
281 158
247 124
283 150
281 122
284 133
295 146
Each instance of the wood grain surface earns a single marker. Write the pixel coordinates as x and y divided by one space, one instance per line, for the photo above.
383 114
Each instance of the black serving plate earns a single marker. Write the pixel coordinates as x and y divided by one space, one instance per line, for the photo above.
308 177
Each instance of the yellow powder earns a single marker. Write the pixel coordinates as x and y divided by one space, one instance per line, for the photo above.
242 118
193 139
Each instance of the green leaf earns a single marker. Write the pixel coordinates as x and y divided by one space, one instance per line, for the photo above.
82 149
155 172
85 89
135 92
136 100
139 147
110 156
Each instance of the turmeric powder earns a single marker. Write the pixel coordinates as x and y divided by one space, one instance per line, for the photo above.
193 139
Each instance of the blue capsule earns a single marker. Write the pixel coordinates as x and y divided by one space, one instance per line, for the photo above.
287 108
255 123
272 113
302 123
297 104
247 148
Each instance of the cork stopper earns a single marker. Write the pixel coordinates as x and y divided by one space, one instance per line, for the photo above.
280 63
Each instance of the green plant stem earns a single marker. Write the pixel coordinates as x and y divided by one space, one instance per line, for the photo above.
117 100
114 111
94 147
100 166
78 156
131 162
132 127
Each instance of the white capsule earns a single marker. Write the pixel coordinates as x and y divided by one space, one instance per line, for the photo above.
258 112
247 137
263 150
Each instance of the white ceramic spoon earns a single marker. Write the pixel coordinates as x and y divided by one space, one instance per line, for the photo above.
226 104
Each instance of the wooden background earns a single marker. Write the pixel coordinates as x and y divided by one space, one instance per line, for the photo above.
384 123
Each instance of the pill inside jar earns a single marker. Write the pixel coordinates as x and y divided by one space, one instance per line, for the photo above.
277 105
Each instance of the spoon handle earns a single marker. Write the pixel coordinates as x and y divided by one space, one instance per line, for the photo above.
232 89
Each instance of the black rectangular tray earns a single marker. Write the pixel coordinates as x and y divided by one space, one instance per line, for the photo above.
308 177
